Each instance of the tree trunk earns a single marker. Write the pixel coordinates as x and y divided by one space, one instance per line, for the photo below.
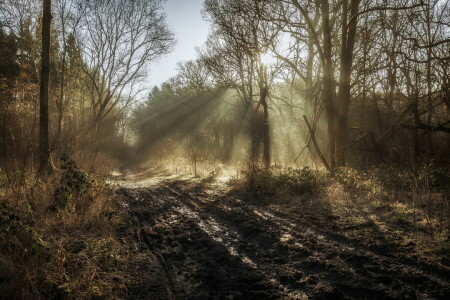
348 43
263 94
316 145
44 141
328 81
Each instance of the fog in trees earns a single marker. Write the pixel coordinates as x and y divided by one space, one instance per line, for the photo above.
301 153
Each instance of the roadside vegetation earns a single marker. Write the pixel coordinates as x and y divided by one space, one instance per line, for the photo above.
58 236
65 93
413 207
333 111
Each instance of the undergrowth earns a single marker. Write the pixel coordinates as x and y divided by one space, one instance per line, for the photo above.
416 203
57 240
301 182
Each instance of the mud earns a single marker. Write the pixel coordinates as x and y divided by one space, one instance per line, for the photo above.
191 240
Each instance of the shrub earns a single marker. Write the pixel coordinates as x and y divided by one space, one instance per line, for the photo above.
423 193
301 182
71 254
18 235
74 183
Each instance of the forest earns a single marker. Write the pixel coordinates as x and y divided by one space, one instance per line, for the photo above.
303 153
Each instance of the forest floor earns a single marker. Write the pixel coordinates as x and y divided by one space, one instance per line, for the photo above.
191 238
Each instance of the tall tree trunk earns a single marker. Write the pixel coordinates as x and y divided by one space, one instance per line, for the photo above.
263 94
60 101
309 82
348 43
329 90
309 89
429 82
44 141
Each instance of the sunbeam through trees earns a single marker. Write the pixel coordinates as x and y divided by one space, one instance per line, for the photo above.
301 151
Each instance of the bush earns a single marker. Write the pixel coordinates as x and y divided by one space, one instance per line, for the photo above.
22 248
301 182
71 254
359 185
414 198
74 183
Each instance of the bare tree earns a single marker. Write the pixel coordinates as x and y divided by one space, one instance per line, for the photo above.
119 39
246 38
194 75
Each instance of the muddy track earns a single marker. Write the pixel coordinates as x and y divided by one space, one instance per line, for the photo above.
203 243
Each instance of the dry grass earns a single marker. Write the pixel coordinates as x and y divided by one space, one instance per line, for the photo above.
414 206
68 252
401 204
97 162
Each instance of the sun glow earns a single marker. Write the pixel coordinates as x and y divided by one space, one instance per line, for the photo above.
267 58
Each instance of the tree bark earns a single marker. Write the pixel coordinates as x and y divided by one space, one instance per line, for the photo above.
328 81
348 43
263 93
44 141
316 145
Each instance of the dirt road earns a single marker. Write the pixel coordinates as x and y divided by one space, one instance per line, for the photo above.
196 241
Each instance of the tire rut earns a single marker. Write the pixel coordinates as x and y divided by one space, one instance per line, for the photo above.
213 245
363 266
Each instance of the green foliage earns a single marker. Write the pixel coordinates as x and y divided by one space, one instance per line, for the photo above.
9 68
74 182
57 256
28 236
302 182
17 236
8 218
